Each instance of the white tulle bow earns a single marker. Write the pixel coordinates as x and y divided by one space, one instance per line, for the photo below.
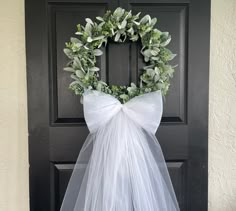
145 110
121 166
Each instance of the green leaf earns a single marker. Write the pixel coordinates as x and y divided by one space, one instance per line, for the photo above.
172 56
79 83
153 21
146 59
88 20
102 82
133 85
117 37
79 73
157 70
89 39
147 53
67 51
75 83
124 96
88 28
145 19
77 63
131 30
156 78
98 38
166 42
74 40
92 62
123 24
99 18
78 45
154 53
118 12
150 72
97 52
69 69
79 33
149 66
94 69
155 58
136 23
134 38
99 87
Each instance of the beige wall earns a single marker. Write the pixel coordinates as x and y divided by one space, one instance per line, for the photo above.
13 111
222 133
13 115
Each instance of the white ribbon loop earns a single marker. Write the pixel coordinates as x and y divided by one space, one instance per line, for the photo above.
146 110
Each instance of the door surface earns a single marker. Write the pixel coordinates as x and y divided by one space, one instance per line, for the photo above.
57 128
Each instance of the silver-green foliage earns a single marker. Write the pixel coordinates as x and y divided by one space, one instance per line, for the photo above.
119 26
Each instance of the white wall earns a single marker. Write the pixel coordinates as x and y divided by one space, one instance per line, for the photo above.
14 194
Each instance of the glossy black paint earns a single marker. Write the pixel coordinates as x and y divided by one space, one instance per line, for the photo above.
57 128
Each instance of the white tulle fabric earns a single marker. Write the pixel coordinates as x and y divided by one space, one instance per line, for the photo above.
121 166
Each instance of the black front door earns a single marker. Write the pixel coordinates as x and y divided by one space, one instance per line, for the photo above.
57 128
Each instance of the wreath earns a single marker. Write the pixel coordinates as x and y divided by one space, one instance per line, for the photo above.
119 26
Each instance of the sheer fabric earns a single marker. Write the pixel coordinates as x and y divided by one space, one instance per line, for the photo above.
121 166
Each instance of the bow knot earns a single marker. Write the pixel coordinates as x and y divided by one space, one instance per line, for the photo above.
145 110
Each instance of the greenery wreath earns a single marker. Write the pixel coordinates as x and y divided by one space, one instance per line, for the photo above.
119 26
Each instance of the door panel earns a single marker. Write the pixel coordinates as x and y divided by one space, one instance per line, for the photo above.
57 128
